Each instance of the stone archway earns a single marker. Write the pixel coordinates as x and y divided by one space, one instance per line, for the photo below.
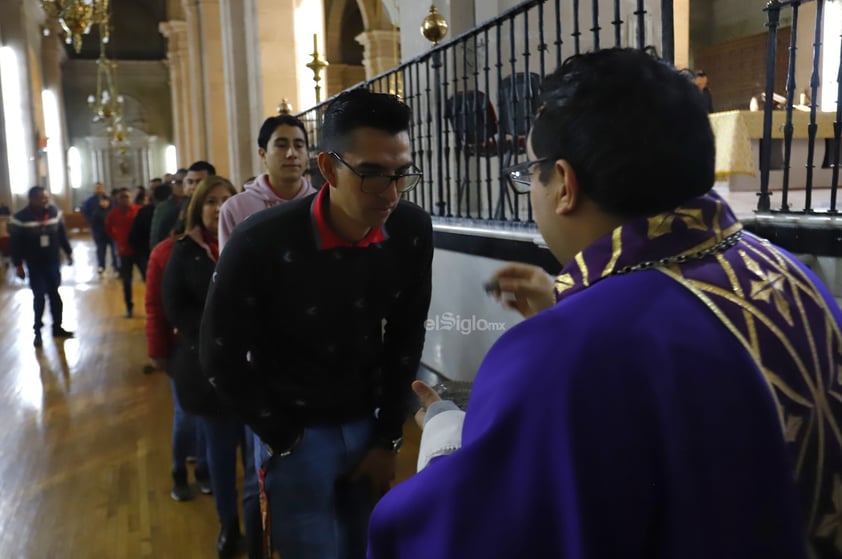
378 36
381 38
343 23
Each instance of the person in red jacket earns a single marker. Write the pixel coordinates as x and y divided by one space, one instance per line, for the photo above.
118 224
187 438
159 332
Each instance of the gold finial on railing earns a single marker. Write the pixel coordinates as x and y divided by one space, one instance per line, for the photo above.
285 107
434 27
317 65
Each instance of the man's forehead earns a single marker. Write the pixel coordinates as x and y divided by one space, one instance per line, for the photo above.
287 132
197 175
371 145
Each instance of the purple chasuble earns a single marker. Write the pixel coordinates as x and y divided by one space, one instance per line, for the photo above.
681 400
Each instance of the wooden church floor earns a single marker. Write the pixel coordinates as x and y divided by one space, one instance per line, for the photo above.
85 433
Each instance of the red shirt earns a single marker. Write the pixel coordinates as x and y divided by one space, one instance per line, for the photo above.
118 223
159 333
327 236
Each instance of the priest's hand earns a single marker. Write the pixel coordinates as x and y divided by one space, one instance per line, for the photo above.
524 288
427 395
378 465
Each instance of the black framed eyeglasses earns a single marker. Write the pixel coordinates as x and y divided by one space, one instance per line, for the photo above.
520 175
371 183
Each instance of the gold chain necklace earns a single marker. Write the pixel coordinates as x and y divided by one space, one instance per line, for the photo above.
721 246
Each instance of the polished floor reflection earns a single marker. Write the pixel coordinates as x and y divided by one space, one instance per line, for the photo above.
86 434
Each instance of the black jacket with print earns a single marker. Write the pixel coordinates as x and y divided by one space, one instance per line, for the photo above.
295 335
36 238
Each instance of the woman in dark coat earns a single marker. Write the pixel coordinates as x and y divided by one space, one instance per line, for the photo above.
185 286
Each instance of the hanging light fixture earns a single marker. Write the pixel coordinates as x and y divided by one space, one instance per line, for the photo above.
77 17
107 104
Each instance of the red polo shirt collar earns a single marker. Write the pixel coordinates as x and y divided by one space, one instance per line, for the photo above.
326 236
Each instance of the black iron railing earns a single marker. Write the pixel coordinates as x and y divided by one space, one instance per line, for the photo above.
822 174
473 97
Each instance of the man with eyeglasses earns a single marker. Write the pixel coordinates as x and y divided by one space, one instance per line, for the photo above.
314 326
674 394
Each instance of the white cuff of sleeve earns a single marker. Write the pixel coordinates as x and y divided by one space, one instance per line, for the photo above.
442 435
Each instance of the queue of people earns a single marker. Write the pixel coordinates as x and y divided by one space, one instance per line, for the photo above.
675 382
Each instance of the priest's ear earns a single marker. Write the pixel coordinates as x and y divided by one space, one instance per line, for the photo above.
327 166
569 193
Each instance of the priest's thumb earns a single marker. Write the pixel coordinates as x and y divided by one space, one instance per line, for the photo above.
425 393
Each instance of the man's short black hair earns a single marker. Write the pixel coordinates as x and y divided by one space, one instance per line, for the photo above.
35 191
202 166
635 131
271 124
161 192
359 108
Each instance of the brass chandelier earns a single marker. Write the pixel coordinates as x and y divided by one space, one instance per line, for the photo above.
107 104
77 17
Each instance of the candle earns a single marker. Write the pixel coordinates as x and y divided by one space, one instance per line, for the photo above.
315 44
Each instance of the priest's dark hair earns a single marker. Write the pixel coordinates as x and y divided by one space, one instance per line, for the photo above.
633 128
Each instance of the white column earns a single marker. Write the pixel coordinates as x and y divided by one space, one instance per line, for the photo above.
177 55
213 86
52 55
241 84
276 62
193 87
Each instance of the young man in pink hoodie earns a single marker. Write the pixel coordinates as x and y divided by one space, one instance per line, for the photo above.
282 145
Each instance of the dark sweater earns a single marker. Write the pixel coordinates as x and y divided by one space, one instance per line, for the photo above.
26 230
183 291
293 335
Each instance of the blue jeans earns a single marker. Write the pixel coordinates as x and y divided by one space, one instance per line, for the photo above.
127 266
44 280
315 511
102 245
222 437
251 498
187 439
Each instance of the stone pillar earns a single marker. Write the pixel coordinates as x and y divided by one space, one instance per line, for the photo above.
243 126
52 56
177 55
195 102
16 29
213 86
381 50
276 63
342 76
681 24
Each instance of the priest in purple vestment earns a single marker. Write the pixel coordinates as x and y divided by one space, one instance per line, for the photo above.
679 395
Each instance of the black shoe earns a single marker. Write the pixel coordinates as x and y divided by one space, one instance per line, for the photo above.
203 479
61 333
129 314
228 542
38 341
180 490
